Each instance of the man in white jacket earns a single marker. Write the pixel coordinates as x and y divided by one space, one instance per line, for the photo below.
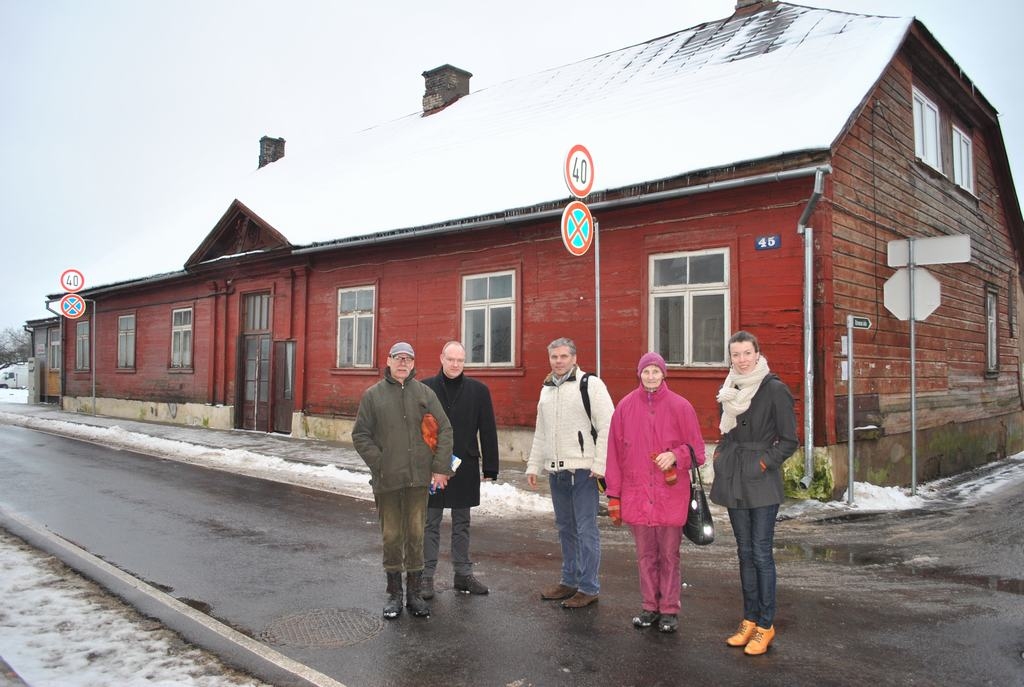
571 445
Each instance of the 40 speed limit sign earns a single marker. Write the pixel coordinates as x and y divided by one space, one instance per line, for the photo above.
579 171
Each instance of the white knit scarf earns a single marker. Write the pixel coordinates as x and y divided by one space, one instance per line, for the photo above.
737 391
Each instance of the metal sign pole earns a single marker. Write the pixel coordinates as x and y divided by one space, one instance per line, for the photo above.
597 294
913 373
92 351
849 407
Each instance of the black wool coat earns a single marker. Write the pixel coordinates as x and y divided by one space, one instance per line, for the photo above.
748 460
471 413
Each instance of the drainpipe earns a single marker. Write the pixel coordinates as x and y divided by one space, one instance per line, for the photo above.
802 228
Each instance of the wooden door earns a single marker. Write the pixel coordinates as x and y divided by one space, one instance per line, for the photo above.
284 385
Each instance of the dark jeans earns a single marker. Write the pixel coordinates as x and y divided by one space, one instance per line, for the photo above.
754 529
403 514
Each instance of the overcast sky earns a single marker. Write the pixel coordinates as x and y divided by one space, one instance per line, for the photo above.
127 123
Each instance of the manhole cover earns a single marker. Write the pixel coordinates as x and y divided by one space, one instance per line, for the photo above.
327 627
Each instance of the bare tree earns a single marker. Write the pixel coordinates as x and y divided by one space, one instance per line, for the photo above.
15 345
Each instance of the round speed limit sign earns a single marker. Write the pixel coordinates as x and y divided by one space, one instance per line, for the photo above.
579 171
72 281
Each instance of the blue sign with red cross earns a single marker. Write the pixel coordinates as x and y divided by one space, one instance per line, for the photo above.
577 228
72 306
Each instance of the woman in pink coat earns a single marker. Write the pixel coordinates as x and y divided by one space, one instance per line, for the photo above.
652 433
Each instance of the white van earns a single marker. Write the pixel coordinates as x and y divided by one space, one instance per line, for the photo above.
14 376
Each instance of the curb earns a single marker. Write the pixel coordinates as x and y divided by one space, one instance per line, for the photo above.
230 645
9 678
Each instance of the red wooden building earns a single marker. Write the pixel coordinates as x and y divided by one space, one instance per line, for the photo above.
749 174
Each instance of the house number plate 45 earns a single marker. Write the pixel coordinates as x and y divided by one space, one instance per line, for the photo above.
768 242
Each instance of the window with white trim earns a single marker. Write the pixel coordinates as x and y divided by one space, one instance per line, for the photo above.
926 130
181 338
53 361
689 307
82 345
991 331
963 160
126 341
488 318
355 326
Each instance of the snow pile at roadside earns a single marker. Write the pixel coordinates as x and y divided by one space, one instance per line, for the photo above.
497 499
504 499
326 477
866 498
59 629
870 498
501 498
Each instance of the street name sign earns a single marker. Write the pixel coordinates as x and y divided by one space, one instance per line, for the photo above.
937 250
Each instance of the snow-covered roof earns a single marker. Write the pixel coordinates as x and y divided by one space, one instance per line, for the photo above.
749 87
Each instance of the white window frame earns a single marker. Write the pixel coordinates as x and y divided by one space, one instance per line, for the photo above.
360 319
991 331
181 339
53 361
688 292
82 345
927 142
489 305
126 342
963 159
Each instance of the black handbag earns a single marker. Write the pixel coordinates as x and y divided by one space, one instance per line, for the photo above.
699 528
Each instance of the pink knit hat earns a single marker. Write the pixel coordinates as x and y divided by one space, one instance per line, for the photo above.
651 359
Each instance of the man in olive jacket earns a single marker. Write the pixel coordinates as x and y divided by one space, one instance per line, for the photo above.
467 402
391 437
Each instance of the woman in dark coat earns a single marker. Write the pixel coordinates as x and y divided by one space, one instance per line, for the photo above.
758 434
467 402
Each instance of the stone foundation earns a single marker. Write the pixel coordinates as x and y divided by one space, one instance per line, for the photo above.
192 414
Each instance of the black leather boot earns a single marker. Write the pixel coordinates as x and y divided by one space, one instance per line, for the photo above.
393 608
413 595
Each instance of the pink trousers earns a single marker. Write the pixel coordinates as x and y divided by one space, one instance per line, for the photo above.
657 554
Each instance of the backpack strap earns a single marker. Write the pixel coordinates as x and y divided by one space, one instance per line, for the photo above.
585 393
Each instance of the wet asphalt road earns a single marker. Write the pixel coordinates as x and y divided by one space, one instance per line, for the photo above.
300 570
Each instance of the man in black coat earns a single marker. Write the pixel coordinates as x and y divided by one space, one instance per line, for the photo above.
467 402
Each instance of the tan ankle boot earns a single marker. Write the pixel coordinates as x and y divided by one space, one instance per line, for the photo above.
758 644
743 634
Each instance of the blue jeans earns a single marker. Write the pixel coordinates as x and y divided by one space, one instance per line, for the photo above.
754 529
574 496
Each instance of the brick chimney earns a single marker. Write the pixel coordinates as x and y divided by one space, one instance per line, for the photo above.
444 85
753 5
271 150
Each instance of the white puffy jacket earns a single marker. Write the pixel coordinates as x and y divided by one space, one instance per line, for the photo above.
563 425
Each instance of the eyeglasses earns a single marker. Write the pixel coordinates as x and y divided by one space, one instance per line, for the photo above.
403 359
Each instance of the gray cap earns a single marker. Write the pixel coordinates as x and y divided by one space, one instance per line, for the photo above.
402 347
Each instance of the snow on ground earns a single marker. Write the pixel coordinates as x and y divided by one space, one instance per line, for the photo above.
58 629
969 487
13 395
